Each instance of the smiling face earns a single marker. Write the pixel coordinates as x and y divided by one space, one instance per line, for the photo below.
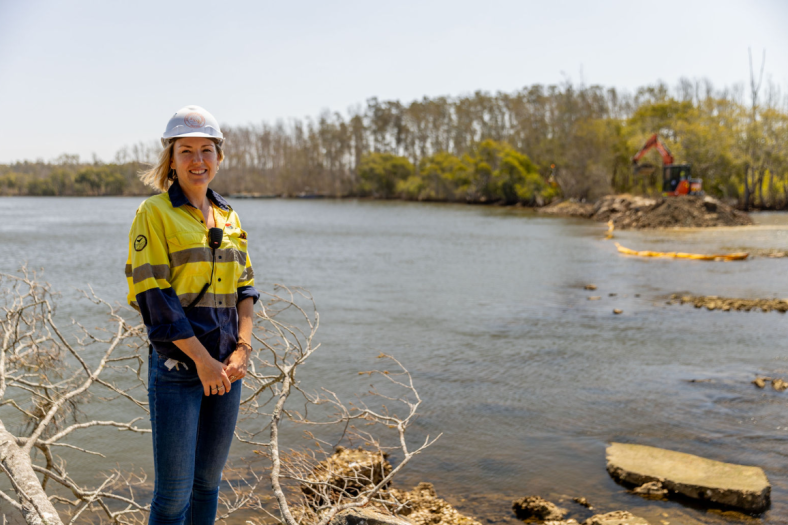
195 161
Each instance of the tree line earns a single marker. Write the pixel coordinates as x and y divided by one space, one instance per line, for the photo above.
529 147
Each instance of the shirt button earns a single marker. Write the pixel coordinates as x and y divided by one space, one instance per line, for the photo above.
220 302
220 279
220 257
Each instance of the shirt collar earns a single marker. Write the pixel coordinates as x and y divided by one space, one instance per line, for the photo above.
178 198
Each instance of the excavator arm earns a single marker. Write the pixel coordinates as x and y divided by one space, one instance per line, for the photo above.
654 142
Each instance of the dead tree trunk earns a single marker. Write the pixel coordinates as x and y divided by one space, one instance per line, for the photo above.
34 503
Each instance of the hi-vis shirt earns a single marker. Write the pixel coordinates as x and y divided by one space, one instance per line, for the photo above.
169 263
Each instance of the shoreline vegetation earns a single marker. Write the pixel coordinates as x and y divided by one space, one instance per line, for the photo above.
530 147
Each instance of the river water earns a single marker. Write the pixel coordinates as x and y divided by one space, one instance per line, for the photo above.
525 377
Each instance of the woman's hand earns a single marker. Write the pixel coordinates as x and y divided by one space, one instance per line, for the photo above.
212 376
235 364
210 371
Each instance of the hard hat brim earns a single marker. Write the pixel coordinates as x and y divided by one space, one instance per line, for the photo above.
166 141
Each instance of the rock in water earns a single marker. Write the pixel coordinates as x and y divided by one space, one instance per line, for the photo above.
424 507
779 384
584 502
366 517
652 488
737 486
536 507
354 470
618 517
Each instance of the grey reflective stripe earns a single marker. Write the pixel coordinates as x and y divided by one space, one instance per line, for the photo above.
128 270
209 300
201 254
231 254
247 275
146 271
190 255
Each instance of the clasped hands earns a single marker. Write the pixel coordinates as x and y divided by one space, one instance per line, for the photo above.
217 377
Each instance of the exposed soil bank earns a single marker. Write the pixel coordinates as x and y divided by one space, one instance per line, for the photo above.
639 213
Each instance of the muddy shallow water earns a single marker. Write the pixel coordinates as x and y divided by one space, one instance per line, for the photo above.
527 379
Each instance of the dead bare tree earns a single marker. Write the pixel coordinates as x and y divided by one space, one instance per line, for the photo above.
312 484
49 375
45 375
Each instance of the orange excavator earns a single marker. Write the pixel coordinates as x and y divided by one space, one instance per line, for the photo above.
676 178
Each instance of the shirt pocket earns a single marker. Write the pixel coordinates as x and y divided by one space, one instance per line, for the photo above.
190 261
188 247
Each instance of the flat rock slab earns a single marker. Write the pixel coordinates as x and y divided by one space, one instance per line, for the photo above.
737 486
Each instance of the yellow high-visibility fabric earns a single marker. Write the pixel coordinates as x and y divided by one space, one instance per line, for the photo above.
168 247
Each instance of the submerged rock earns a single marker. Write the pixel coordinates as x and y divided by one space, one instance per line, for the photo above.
367 517
618 517
536 507
584 502
738 486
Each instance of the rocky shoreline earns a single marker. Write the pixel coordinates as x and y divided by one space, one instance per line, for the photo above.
726 304
649 472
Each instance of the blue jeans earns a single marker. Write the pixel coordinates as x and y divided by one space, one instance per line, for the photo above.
192 434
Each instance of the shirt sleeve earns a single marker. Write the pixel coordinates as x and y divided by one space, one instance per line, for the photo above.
245 286
147 275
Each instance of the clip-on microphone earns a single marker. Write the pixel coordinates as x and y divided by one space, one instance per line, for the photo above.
215 236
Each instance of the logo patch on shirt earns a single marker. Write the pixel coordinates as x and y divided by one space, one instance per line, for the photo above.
140 242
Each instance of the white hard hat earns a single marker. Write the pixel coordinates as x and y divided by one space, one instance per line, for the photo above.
192 121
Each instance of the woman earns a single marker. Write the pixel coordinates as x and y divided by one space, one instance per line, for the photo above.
191 279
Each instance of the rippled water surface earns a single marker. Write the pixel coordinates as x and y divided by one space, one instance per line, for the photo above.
527 379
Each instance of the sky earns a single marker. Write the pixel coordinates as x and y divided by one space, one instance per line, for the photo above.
87 77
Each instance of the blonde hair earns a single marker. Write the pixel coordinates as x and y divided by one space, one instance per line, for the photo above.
160 176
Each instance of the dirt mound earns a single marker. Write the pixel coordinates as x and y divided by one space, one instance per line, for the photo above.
629 212
639 213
